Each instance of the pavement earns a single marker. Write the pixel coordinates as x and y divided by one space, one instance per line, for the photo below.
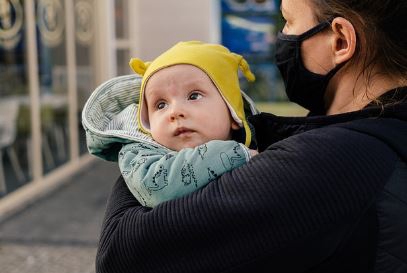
59 232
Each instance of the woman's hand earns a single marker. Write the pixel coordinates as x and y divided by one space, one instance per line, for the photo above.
253 152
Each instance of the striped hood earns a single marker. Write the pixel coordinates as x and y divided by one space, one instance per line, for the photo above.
108 117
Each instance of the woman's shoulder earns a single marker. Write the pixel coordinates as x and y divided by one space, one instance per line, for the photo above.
331 151
374 134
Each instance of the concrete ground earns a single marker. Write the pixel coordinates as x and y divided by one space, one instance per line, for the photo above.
59 233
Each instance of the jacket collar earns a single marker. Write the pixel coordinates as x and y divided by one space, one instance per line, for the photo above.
270 128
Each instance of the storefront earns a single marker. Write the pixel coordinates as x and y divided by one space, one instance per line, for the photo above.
53 53
46 72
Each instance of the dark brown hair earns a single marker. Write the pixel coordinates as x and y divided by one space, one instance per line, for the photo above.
381 33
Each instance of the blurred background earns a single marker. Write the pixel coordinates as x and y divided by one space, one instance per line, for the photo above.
54 53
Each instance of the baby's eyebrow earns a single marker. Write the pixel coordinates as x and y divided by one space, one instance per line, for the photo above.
151 95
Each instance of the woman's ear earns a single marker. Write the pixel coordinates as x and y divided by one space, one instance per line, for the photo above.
344 43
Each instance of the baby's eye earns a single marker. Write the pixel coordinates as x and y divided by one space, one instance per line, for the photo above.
161 105
195 96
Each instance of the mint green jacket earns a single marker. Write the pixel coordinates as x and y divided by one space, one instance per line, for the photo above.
155 175
152 172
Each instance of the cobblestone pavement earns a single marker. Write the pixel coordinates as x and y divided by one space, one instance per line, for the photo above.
59 233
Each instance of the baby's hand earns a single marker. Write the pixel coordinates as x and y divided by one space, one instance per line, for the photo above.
253 152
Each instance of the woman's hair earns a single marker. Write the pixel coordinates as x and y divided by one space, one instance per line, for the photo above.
381 32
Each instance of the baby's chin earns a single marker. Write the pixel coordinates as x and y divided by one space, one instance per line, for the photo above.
179 146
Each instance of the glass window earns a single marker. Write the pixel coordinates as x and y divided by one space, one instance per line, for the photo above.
15 127
123 58
84 42
52 66
249 28
121 19
122 37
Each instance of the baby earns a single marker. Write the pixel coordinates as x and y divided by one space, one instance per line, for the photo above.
191 104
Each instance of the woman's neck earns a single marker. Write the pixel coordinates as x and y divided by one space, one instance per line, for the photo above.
347 92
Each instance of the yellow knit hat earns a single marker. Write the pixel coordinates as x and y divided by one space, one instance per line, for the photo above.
216 61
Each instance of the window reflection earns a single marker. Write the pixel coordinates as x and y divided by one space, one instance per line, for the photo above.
84 40
123 57
121 18
53 82
15 128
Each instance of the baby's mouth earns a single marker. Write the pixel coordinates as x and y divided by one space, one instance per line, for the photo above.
182 131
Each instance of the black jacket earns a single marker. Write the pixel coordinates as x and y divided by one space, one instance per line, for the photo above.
326 194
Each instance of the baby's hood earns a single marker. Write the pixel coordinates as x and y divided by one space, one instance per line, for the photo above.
109 117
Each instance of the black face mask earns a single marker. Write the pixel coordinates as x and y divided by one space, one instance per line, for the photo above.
302 86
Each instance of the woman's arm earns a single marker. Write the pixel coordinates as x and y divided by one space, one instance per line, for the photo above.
155 175
287 209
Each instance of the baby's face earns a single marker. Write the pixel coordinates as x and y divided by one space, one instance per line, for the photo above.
185 109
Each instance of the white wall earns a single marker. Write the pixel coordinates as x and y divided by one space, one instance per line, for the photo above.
156 25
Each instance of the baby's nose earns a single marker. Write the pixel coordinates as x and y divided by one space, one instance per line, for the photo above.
177 112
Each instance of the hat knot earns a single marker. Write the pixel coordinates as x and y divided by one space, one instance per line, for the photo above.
244 67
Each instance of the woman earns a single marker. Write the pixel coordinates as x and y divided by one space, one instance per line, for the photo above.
327 193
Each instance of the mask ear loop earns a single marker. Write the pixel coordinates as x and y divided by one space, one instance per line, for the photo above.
305 35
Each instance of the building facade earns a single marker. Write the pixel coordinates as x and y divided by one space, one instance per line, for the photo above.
54 53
